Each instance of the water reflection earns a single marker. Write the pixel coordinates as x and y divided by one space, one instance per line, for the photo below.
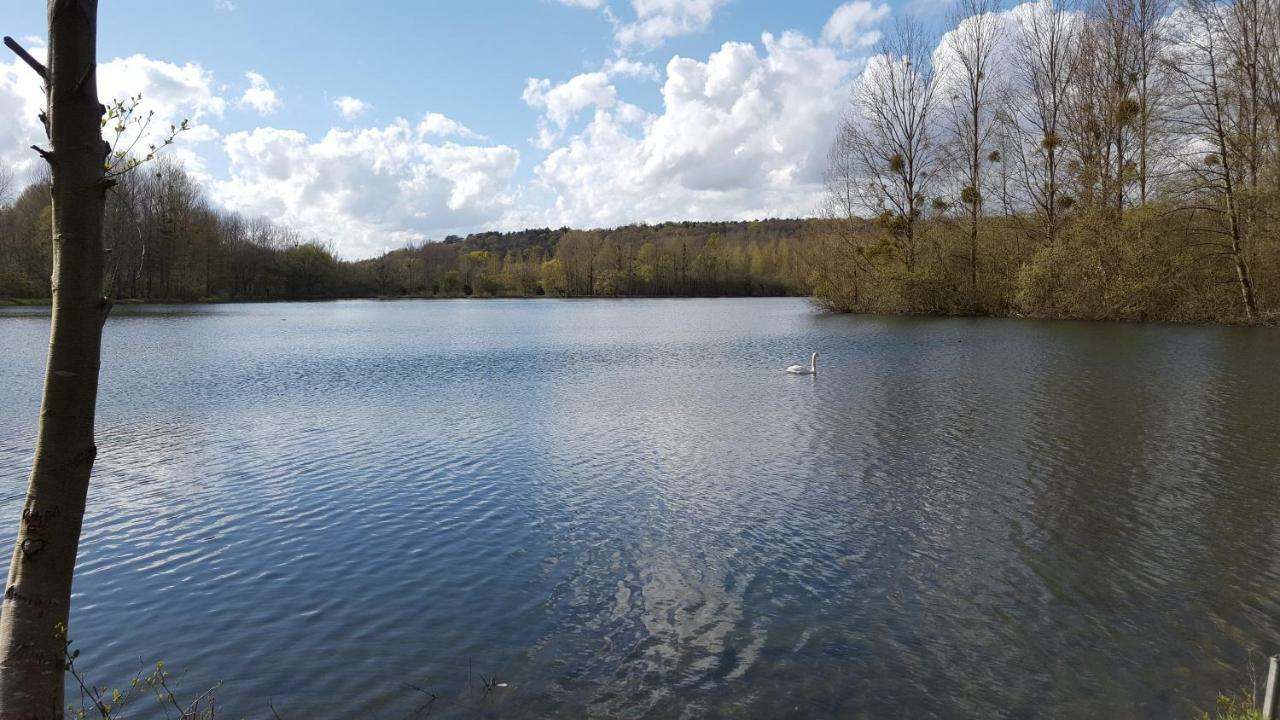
626 509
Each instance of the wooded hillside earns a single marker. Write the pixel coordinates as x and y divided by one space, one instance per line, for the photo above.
168 243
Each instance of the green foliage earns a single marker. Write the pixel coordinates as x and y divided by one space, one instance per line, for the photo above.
25 267
114 703
130 129
1153 263
1242 705
167 243
310 271
1134 268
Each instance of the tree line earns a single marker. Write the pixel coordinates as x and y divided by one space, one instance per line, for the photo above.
1116 159
1119 159
166 242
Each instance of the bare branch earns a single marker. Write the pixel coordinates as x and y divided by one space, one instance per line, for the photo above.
46 154
26 57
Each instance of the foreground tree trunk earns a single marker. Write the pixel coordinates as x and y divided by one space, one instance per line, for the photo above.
37 595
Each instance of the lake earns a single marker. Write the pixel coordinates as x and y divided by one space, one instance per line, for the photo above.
626 509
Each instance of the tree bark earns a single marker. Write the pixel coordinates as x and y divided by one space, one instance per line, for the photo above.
37 596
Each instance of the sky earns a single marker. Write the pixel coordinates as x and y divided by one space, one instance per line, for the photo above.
377 124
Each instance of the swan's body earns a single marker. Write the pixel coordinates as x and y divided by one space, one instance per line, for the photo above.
802 370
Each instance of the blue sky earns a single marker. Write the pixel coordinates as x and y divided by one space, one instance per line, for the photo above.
481 114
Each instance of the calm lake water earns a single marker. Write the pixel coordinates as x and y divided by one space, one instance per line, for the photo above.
626 509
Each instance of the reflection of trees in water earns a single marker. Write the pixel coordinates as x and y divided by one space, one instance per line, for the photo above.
1230 447
1134 464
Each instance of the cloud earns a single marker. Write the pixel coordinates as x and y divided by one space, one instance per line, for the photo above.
1006 64
853 24
439 125
225 6
173 92
260 95
621 66
21 98
562 103
657 20
742 135
371 188
351 108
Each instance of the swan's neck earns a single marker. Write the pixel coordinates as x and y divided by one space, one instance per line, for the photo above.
813 363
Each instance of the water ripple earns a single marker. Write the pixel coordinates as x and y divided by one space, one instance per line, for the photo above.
624 509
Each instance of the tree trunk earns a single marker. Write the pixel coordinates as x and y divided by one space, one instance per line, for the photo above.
37 596
975 182
1243 276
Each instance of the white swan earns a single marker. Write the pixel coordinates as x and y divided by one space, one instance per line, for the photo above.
802 370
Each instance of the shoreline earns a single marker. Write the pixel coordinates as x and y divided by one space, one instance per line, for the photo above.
1268 322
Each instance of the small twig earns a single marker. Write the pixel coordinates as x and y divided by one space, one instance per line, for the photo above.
193 707
26 57
426 706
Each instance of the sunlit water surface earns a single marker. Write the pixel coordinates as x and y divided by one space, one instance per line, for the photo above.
626 509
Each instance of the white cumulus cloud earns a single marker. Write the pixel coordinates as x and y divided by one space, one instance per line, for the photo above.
564 102
443 126
657 20
370 188
624 67
742 135
351 108
172 92
260 95
21 99
853 24
561 103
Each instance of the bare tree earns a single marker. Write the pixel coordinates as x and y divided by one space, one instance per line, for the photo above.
1216 121
969 56
842 246
1045 43
1269 62
886 135
37 596
1102 111
1147 21
1243 38
6 186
